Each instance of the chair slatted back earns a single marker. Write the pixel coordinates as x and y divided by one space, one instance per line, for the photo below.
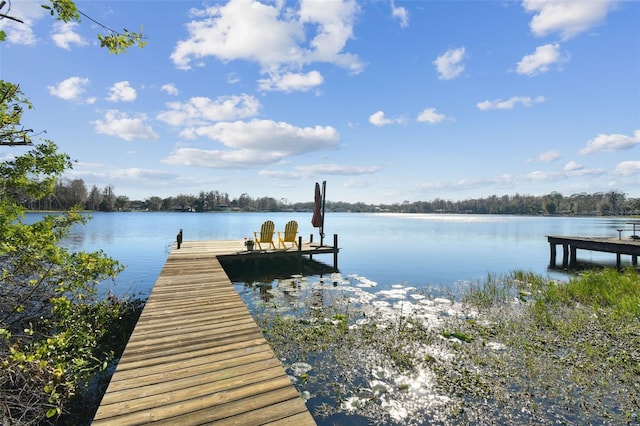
266 234
290 234
290 231
266 231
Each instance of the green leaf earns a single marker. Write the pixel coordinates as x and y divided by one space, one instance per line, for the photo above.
51 412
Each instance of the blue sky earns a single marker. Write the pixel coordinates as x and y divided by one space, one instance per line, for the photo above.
388 101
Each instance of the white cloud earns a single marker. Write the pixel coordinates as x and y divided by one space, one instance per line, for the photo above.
337 169
431 116
272 35
502 181
137 173
541 60
291 82
378 119
539 175
614 142
170 89
449 65
510 103
120 125
510 181
254 143
122 91
69 89
22 33
333 22
218 159
233 78
64 35
240 29
568 17
301 172
277 138
202 110
627 168
572 166
358 183
104 174
548 156
400 13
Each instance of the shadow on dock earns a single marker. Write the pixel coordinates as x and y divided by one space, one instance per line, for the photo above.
268 269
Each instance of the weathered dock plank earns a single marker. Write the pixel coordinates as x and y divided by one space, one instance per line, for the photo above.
196 355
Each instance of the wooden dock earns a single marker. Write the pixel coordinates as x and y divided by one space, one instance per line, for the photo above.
196 355
619 246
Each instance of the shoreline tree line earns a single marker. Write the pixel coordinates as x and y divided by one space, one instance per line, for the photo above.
71 193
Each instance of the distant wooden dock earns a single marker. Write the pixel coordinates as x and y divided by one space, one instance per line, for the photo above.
619 246
196 355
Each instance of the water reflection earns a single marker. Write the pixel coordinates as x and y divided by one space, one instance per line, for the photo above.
376 389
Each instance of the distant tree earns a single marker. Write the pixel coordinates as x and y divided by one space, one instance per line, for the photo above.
245 201
208 201
185 202
222 199
550 207
78 192
108 203
267 204
154 203
168 203
615 200
94 199
70 193
122 203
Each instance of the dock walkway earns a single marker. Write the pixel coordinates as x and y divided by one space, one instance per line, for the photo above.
196 355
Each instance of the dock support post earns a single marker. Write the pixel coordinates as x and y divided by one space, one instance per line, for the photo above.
552 258
618 262
565 255
634 260
573 260
335 251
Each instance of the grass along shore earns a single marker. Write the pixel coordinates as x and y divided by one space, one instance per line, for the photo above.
520 349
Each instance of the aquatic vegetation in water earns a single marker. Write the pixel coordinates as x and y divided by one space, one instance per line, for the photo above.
509 350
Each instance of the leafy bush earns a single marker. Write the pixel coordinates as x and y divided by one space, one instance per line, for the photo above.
55 337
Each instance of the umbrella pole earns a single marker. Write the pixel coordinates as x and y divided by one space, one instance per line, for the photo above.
324 191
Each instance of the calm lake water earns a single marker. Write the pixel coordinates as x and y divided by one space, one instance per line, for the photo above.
420 250
384 261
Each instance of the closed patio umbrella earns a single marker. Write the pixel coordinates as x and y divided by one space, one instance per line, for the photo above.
318 210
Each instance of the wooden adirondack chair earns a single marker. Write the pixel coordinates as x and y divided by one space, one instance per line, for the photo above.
265 235
290 234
